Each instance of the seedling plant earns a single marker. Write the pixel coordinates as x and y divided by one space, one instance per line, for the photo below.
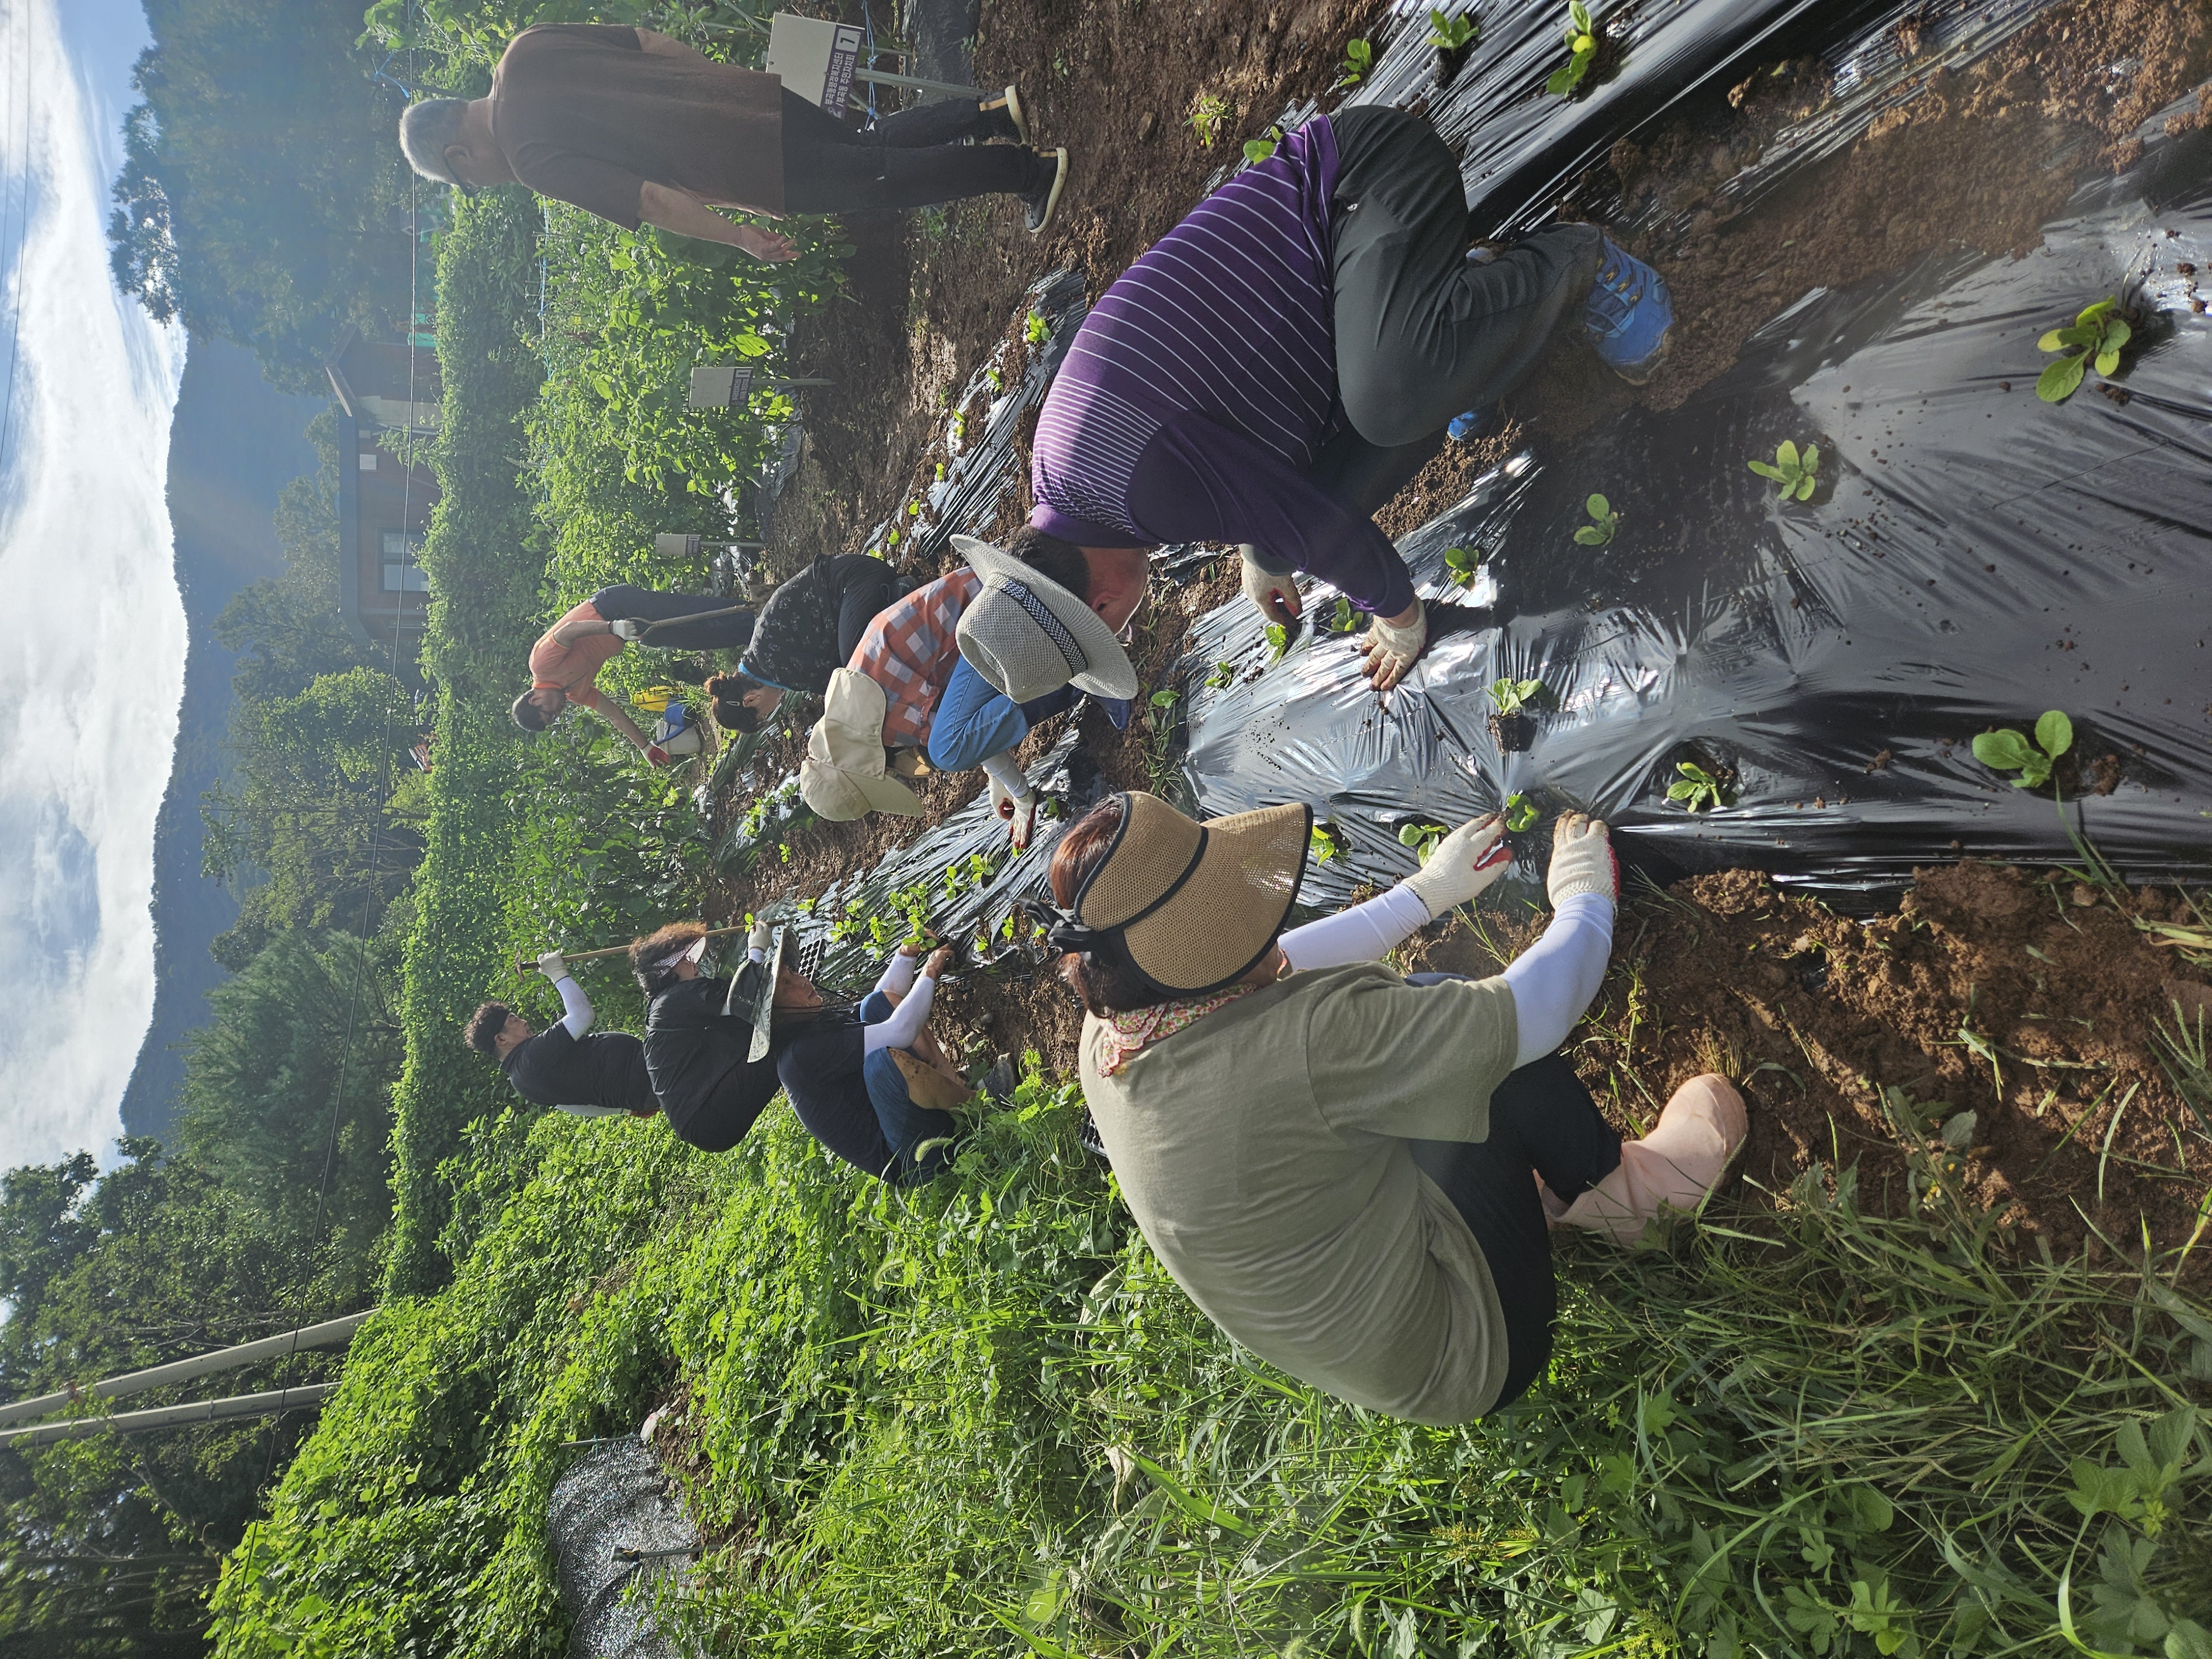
1461 564
1034 330
1279 642
1257 151
1696 788
1582 46
2096 335
1359 59
1604 523
1521 813
2007 751
1344 618
1512 696
1222 676
1325 842
1423 837
1450 33
1793 470
1207 112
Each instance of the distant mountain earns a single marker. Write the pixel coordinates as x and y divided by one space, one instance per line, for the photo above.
235 443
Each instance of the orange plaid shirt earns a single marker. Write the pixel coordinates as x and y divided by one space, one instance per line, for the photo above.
910 649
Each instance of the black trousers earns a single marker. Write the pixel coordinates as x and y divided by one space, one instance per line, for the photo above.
1422 335
626 600
1542 1119
912 159
862 604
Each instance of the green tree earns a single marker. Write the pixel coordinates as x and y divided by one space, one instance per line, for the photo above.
263 196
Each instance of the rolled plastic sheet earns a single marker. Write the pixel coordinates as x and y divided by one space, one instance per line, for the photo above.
614 1527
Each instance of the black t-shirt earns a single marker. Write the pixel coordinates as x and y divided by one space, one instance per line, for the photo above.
820 1066
711 1092
798 642
604 1069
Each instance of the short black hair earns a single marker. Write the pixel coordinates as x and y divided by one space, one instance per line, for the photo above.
527 714
1058 561
485 1027
729 691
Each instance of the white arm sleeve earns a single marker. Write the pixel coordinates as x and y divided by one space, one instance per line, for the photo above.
906 1022
898 974
1001 767
1554 979
575 1007
1365 932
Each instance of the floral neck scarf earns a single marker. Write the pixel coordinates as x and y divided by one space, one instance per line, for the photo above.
1135 1032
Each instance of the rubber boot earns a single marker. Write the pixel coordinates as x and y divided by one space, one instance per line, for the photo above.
1674 1167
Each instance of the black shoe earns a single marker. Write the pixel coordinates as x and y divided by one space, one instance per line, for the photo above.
1086 1136
1003 117
999 1082
1039 200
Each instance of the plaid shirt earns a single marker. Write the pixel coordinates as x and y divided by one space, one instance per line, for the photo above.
910 649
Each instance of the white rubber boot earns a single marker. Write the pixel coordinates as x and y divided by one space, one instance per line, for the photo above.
1674 1167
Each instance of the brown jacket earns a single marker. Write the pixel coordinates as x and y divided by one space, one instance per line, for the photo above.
583 114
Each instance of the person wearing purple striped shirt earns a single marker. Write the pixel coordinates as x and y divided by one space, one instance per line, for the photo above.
1275 367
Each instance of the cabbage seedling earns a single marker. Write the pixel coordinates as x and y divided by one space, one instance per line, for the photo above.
1519 813
1257 151
2098 333
1696 787
1794 471
2007 750
1344 618
1422 837
1462 565
1358 58
1207 112
1604 521
1222 676
1511 695
1279 642
1582 43
1324 841
1450 33
1034 330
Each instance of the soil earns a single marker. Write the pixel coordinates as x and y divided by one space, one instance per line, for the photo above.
2079 1133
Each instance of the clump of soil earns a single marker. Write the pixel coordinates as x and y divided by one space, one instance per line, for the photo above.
2027 1001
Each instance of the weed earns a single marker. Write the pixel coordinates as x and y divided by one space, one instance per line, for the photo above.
1207 112
1257 151
2097 334
1035 330
2007 750
1279 642
992 380
1422 836
1325 840
1450 33
1696 787
1581 44
1792 470
1521 813
1359 59
1512 696
1461 564
1604 523
1159 722
1222 676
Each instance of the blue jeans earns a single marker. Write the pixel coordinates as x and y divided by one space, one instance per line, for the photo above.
905 1124
973 718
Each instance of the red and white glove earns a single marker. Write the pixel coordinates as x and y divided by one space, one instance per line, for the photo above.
1583 859
656 754
1465 863
1018 812
1275 594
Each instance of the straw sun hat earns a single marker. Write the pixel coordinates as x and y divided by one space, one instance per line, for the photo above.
1191 907
1027 634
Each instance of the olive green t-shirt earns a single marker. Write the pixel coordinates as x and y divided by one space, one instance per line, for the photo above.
1263 1152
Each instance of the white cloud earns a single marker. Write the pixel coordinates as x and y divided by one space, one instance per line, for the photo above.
92 661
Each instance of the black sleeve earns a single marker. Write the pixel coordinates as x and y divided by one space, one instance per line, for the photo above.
731 1109
868 587
539 1068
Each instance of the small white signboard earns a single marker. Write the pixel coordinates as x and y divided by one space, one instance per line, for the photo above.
814 58
719 386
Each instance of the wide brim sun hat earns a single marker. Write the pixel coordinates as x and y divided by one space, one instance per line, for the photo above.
1191 907
844 776
752 995
1027 634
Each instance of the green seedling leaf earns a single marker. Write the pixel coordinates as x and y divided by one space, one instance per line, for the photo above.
1521 813
1764 471
1344 619
1161 699
1510 694
1279 642
2095 337
2188 1640
1450 33
2001 750
1257 151
1599 507
1224 676
2054 732
2057 382
1323 842
1958 1133
1035 330
1578 14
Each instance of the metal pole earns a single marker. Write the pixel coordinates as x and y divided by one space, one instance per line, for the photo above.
169 1416
883 79
330 1333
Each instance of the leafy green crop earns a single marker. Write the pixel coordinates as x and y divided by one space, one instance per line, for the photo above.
1258 149
1582 46
1035 330
1325 840
1450 33
1359 59
1422 836
1344 619
2007 751
1521 813
1279 642
1207 112
1604 523
1461 564
1793 472
1696 787
2096 335
1222 676
1511 695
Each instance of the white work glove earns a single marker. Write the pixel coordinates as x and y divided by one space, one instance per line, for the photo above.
1277 596
1018 812
1465 862
553 967
1392 652
625 629
759 937
1582 860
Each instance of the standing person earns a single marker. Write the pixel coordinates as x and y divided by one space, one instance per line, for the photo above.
567 1065
1349 1171
811 625
565 663
638 128
1277 366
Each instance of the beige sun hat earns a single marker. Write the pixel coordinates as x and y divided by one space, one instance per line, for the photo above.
1192 907
844 776
1027 634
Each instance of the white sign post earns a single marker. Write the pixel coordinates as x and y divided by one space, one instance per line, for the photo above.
820 61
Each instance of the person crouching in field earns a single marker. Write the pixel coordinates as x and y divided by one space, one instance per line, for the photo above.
565 663
908 689
1348 1170
866 1081
808 628
637 127
567 1065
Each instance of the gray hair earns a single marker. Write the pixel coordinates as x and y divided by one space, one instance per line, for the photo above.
425 130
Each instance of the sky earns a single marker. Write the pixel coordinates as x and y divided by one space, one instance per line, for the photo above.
92 662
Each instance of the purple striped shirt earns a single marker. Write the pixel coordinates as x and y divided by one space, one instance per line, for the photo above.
1203 383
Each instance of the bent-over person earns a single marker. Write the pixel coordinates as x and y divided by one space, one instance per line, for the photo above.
565 663
1349 1171
567 1065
